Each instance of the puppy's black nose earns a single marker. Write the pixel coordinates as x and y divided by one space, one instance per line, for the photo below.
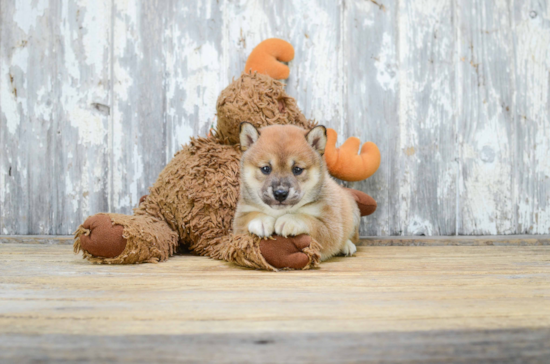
280 195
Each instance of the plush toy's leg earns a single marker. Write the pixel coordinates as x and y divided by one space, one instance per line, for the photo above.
300 252
122 239
367 205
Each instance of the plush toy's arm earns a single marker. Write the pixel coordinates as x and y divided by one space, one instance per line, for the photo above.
344 162
277 252
266 58
122 239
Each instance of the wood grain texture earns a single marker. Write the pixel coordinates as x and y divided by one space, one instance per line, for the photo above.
487 136
462 240
426 171
372 101
194 71
54 114
450 302
97 96
138 133
469 346
531 39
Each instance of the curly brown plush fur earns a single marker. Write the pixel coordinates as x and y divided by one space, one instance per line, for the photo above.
260 100
194 198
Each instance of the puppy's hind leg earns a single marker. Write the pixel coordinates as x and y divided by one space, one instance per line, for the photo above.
349 249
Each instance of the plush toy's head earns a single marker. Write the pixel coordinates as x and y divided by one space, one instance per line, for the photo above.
257 97
259 100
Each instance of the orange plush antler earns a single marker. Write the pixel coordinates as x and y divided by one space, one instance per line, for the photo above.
344 162
266 58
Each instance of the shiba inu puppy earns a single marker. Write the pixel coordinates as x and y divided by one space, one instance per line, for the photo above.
286 189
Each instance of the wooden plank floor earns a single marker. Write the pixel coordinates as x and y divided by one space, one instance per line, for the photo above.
387 304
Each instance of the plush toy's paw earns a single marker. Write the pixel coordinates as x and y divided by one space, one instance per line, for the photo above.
102 238
367 205
290 225
262 226
283 252
349 249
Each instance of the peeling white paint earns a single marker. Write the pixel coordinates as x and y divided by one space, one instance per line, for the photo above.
488 189
416 225
8 100
194 75
70 61
44 108
3 193
532 65
319 61
183 133
96 36
387 71
137 177
201 71
497 55
71 193
26 13
89 125
14 105
123 82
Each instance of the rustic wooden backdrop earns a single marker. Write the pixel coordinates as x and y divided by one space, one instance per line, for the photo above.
97 95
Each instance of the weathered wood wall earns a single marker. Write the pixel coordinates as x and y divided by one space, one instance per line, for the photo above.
96 96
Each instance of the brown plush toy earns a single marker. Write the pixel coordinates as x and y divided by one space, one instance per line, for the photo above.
193 201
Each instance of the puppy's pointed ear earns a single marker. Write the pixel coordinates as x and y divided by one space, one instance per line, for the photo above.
317 138
248 135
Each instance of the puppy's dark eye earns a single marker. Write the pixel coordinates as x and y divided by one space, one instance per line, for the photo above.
297 171
266 169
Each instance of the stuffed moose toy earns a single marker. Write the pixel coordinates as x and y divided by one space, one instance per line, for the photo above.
193 201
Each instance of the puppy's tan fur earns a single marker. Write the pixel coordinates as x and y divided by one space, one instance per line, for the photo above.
316 204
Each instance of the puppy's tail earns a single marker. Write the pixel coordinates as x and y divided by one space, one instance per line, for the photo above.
344 162
266 58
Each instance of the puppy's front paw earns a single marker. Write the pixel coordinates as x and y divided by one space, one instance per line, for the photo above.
262 226
349 249
290 225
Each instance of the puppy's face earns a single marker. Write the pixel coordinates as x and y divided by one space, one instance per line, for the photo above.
282 166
